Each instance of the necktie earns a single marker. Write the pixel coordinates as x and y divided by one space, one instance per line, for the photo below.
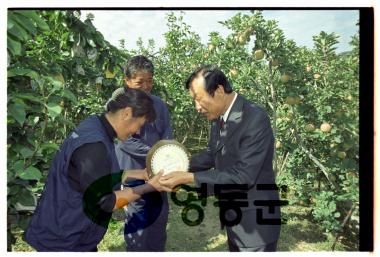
221 123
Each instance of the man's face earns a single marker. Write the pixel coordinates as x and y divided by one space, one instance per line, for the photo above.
211 107
126 124
142 80
132 126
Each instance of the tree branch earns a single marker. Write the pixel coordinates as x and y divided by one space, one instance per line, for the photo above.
283 163
349 214
312 157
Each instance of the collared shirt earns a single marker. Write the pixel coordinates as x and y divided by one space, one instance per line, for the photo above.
225 115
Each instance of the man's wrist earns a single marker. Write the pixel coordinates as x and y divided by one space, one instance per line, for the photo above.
189 178
143 189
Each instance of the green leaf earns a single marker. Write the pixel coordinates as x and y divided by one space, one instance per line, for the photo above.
17 72
12 170
69 95
349 164
31 173
91 42
57 85
35 17
18 165
22 72
10 23
26 152
13 46
53 146
25 23
19 32
25 198
29 96
36 119
14 189
25 219
56 82
332 207
337 214
54 109
32 74
17 111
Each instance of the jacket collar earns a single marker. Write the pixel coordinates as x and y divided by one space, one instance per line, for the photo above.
233 121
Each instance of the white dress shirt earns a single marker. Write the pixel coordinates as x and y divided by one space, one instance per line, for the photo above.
225 115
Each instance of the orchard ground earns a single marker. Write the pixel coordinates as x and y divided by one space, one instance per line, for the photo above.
299 234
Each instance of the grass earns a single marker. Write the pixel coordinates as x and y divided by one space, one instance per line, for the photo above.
205 237
299 234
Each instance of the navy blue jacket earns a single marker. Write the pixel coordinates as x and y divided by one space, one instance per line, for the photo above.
60 222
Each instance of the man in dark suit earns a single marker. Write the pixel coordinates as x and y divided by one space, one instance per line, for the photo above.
239 154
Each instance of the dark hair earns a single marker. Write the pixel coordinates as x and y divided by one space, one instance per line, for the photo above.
213 77
138 100
138 63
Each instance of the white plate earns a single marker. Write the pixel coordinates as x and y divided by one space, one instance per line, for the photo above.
169 156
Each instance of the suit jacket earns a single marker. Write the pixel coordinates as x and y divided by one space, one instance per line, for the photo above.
241 154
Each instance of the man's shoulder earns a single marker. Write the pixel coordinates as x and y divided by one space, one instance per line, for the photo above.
158 103
157 99
254 111
251 106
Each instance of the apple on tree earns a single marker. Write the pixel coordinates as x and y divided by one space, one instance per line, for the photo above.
285 78
110 74
325 127
349 97
274 62
297 100
317 76
233 72
242 39
290 100
309 127
259 54
341 154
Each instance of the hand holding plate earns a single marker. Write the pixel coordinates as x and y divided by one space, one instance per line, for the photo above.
155 183
176 178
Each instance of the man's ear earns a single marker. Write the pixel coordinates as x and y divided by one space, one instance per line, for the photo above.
126 81
127 113
219 90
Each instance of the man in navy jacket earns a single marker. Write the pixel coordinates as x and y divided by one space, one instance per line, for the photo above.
146 219
78 197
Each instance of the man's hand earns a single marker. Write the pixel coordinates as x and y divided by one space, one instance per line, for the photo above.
155 183
176 178
135 174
